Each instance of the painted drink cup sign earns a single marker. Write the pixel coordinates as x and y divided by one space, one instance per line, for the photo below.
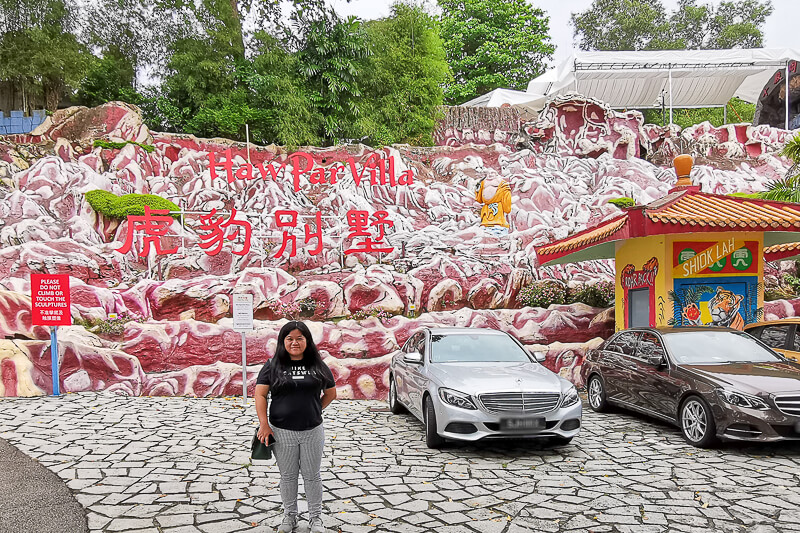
50 301
635 279
729 256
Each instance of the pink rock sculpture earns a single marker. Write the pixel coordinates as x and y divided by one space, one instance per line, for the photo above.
174 334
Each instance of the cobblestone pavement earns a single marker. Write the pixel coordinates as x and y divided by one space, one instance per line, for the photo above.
182 466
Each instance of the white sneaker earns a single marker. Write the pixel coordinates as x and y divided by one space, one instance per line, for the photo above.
316 526
288 524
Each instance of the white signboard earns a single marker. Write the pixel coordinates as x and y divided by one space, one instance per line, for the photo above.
242 312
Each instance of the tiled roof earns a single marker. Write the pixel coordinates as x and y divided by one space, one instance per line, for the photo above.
716 211
680 211
579 241
785 247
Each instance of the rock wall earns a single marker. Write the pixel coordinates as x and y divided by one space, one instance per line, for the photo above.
174 335
573 125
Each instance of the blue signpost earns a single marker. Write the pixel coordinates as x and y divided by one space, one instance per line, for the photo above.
50 306
54 358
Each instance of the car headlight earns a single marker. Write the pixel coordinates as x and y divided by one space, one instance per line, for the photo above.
456 398
740 399
570 397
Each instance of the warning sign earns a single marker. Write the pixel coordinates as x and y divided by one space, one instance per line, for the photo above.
50 300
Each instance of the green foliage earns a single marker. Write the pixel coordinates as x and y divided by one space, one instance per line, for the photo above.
326 81
621 25
543 294
598 295
329 60
622 202
491 44
109 78
792 282
403 78
101 201
739 111
108 326
745 195
119 207
40 56
291 117
362 314
644 25
786 189
792 150
111 145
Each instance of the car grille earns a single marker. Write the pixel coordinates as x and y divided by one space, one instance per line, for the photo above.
789 405
520 402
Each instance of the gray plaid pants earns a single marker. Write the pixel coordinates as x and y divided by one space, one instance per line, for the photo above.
300 452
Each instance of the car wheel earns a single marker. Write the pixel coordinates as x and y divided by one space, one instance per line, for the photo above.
697 422
596 393
432 438
394 405
560 441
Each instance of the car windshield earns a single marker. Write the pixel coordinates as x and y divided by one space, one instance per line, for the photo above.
476 348
717 347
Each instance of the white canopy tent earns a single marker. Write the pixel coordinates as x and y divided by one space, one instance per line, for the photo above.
673 78
498 97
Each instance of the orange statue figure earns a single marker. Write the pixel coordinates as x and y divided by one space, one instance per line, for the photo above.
495 195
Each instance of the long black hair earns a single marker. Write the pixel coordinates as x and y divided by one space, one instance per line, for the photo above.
282 361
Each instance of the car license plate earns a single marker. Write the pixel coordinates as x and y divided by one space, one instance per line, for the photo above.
521 424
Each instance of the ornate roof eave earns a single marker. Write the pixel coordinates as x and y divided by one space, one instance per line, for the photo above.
592 243
681 211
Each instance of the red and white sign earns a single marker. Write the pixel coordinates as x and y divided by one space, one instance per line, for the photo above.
50 300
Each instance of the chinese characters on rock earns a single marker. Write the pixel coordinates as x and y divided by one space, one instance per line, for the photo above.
366 235
359 223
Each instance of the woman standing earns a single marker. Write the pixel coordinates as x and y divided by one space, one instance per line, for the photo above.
301 386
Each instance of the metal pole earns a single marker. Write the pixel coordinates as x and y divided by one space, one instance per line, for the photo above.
244 368
247 134
670 94
787 94
54 359
183 227
725 114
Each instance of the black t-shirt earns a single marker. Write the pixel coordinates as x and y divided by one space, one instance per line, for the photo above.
296 405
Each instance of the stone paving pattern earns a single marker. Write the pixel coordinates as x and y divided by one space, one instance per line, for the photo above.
182 465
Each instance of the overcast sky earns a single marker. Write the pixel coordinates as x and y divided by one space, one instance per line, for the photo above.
780 29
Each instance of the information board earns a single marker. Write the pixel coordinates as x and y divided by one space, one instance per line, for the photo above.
242 312
50 303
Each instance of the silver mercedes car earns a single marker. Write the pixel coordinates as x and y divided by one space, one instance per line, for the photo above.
471 384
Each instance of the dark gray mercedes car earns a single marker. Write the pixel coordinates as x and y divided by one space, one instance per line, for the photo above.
711 382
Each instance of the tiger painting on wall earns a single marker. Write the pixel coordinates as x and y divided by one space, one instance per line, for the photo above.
724 308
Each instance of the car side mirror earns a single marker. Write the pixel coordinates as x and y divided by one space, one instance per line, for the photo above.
540 356
656 359
415 358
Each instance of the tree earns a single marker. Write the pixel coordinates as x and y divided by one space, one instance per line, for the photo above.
644 25
738 24
621 25
492 44
787 189
291 116
109 78
39 53
404 77
329 59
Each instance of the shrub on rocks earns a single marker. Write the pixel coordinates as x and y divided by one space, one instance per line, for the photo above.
543 294
119 207
597 295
